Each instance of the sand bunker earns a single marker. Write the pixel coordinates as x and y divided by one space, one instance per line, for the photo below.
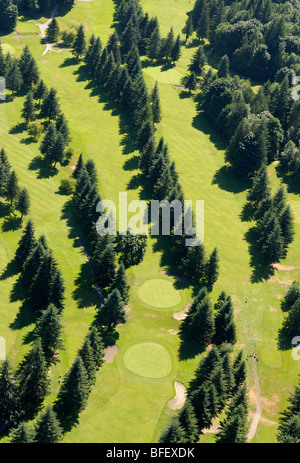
183 313
179 400
109 353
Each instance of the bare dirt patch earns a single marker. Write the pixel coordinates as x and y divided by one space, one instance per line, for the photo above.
173 332
285 268
109 353
178 401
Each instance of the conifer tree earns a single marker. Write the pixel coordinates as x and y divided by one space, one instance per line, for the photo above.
176 50
52 32
14 79
225 330
12 187
202 326
173 434
239 369
28 108
188 422
103 258
198 62
223 68
73 394
22 434
96 345
87 356
50 105
260 187
212 269
10 409
286 222
47 427
32 263
39 91
112 311
203 27
63 128
200 399
120 283
26 243
234 428
188 28
79 166
79 45
154 45
190 82
28 68
33 378
49 330
155 104
23 202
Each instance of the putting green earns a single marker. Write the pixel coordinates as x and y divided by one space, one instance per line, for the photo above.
148 359
8 48
159 293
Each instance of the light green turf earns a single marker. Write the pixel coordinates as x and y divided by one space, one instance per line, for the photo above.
148 359
119 396
8 48
159 293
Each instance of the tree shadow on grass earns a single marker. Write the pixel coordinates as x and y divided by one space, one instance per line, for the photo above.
18 128
284 338
131 163
5 209
293 185
10 270
43 168
201 123
188 348
18 292
228 180
247 214
28 140
261 270
11 223
25 317
84 292
69 62
82 73
69 214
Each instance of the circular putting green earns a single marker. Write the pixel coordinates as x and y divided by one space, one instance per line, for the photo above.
8 48
159 293
148 359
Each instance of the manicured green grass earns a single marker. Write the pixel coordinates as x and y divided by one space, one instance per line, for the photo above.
148 359
121 401
159 293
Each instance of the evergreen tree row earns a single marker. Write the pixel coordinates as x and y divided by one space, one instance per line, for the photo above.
219 384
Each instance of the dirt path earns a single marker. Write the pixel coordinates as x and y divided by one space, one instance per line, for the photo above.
44 27
257 414
97 287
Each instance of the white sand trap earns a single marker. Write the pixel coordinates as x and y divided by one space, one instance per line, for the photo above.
183 313
179 400
109 353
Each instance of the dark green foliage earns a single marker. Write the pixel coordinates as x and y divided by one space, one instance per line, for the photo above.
176 50
40 91
198 62
14 79
260 188
73 394
188 28
145 134
8 16
79 45
292 294
155 104
120 283
49 330
131 249
87 356
50 105
212 269
239 369
223 68
52 32
202 326
22 434
23 202
32 263
224 323
96 345
10 409
47 427
188 422
173 434
103 258
190 81
203 26
26 243
112 311
235 427
12 187
200 400
28 112
4 172
291 324
33 378
28 68
63 128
